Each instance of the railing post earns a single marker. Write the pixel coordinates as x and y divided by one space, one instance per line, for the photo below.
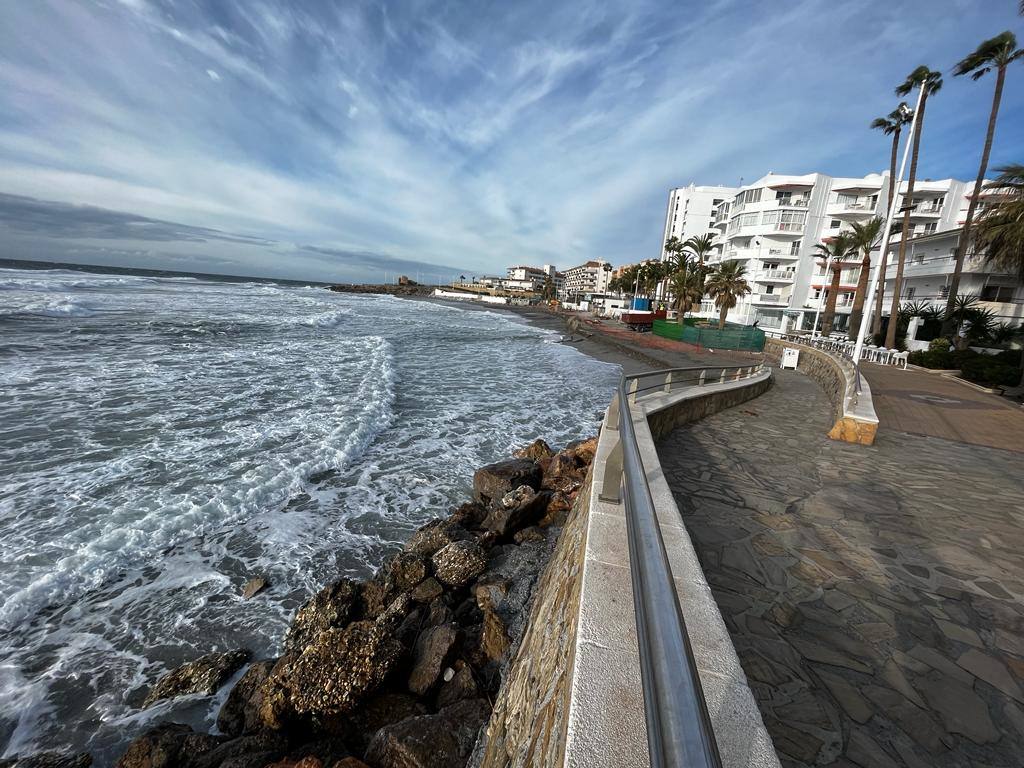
611 488
722 379
632 390
700 381
612 422
668 381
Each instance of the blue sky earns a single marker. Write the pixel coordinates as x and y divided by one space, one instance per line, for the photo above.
343 141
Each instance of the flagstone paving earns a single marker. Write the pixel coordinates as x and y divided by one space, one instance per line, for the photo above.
875 595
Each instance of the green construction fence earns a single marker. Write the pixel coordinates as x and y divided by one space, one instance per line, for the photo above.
733 336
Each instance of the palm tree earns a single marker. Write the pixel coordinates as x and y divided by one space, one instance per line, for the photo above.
725 285
929 81
891 125
686 288
835 252
548 292
863 238
700 246
997 53
999 233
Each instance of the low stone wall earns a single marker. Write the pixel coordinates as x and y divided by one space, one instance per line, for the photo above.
573 695
528 723
855 420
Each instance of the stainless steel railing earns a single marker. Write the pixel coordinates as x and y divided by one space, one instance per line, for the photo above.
679 731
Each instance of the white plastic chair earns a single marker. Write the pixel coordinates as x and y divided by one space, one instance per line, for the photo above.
899 357
868 353
882 355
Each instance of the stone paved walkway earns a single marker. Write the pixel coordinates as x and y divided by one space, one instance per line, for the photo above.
925 403
875 595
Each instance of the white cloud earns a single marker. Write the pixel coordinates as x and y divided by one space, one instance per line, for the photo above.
213 75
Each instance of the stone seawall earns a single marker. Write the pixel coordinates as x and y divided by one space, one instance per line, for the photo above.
528 723
854 414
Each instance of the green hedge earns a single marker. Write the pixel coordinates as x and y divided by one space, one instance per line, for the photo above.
990 371
744 337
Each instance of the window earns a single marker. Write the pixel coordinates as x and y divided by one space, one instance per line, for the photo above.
835 224
908 292
770 217
748 219
792 220
943 291
930 227
997 293
846 199
769 289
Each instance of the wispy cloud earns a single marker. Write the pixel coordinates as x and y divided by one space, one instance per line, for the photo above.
369 138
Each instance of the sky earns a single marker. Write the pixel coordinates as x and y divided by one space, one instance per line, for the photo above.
350 141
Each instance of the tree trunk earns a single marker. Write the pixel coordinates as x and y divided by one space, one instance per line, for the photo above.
857 313
722 312
894 312
681 300
965 233
876 321
830 303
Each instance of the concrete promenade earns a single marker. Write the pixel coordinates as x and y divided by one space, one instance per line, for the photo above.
875 595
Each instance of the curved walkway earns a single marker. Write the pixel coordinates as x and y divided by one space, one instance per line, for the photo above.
875 595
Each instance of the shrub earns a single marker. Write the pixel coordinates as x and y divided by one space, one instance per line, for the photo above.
933 359
989 371
961 356
940 344
1010 357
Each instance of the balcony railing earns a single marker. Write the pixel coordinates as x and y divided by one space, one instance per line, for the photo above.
775 274
789 226
787 202
767 298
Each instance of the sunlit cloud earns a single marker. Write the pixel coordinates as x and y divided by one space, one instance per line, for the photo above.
452 135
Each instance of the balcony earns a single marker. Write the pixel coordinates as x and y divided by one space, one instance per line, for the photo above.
768 298
795 202
789 227
775 276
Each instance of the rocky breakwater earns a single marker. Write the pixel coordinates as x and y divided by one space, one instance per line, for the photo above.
399 670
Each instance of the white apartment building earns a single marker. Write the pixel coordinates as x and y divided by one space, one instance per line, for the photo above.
589 277
928 268
692 211
524 278
773 225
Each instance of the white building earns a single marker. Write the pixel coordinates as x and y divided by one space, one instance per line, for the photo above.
589 277
773 225
692 211
524 278
928 268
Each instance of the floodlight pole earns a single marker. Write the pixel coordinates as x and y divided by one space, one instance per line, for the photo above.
869 300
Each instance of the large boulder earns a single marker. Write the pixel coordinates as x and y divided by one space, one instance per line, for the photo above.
204 675
332 675
535 451
399 574
433 650
380 710
495 480
459 563
518 509
240 712
434 535
169 745
460 685
444 740
330 608
252 751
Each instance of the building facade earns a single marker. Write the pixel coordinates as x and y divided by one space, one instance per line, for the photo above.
589 277
693 210
928 268
773 225
532 279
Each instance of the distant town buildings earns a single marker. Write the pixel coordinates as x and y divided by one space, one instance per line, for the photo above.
589 277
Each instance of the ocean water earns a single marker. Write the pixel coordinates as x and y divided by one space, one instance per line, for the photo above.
162 440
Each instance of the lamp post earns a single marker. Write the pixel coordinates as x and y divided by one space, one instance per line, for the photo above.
865 322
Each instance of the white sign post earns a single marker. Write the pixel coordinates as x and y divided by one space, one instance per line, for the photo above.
790 357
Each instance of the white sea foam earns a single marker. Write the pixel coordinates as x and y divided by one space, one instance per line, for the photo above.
158 455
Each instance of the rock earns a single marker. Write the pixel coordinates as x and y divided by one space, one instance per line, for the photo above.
564 472
518 509
307 762
434 535
50 760
240 711
254 751
380 710
167 746
584 450
427 590
254 586
458 563
495 480
432 653
536 450
444 740
558 510
468 515
439 613
398 575
961 709
460 687
333 674
331 607
494 640
204 675
350 762
533 533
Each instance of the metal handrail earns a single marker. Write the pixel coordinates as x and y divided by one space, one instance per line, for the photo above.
679 731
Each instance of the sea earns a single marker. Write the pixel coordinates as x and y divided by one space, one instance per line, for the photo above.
164 438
